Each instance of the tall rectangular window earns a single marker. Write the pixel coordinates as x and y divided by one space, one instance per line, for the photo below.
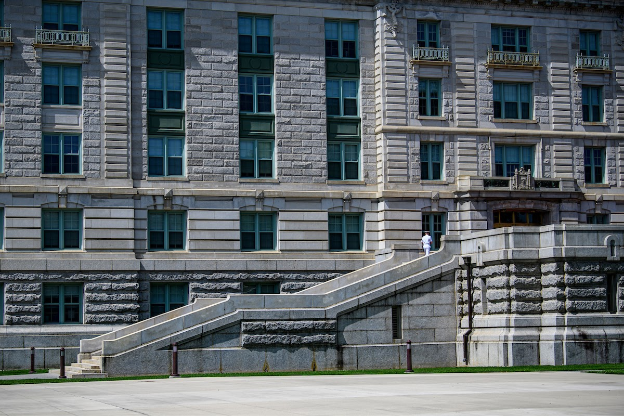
428 34
509 158
594 164
167 296
512 101
510 39
256 158
431 161
397 326
341 39
164 89
61 84
342 97
61 153
589 43
258 231
164 29
166 230
435 223
61 16
255 93
343 160
61 229
345 232
165 156
62 303
254 34
592 103
429 97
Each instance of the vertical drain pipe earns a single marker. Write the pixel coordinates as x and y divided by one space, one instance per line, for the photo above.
468 264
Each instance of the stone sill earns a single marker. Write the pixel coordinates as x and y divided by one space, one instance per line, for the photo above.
62 47
513 120
436 182
258 180
339 182
594 123
167 178
62 106
594 70
516 67
437 118
60 176
597 185
432 63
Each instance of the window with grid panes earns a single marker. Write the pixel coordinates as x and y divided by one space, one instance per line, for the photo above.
165 156
164 89
345 232
167 296
255 94
258 231
254 34
166 230
429 97
342 97
61 229
164 29
61 84
589 43
341 39
592 103
343 160
509 158
597 219
61 16
594 164
510 39
435 223
61 153
431 155
261 288
62 303
256 158
428 34
512 101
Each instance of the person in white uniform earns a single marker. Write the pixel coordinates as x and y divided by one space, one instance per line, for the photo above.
426 243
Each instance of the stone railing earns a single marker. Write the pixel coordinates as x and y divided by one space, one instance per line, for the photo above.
5 34
61 37
592 62
421 53
513 58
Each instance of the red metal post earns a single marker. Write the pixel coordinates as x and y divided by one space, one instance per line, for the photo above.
32 360
62 374
409 357
174 360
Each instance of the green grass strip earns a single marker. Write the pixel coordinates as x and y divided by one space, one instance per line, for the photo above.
20 372
595 368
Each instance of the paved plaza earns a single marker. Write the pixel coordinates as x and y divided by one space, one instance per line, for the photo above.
500 394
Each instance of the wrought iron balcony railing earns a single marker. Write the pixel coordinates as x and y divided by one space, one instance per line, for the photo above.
5 34
61 37
522 59
422 53
592 62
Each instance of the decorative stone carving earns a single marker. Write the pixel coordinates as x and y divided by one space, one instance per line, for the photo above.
390 12
522 180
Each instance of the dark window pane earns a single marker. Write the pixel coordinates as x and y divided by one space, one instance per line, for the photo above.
174 99
51 164
176 240
174 40
51 239
51 26
72 239
424 170
353 241
51 94
51 314
350 107
348 49
333 170
335 241
71 164
155 99
246 102
157 240
266 168
157 309
70 26
71 95
266 241
497 109
351 170
248 241
436 170
422 106
156 166
247 169
175 166
434 107
263 44
511 110
72 314
264 103
498 169
331 48
526 113
154 39
244 44
333 106
597 174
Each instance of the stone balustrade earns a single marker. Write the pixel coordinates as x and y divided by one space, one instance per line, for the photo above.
525 59
421 53
592 62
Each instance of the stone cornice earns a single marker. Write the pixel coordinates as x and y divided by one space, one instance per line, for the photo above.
473 131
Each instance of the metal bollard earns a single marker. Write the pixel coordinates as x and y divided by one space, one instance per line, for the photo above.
32 360
409 357
62 373
174 360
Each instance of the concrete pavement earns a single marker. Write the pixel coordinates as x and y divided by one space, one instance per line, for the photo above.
500 394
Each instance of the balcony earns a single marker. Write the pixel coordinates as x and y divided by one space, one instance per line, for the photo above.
600 63
439 56
513 60
62 46
46 37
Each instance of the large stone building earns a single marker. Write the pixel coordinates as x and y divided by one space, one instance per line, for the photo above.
158 152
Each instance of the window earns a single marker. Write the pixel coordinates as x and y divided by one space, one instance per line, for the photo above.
166 230
612 293
254 34
255 93
165 156
345 232
164 89
167 296
518 218
431 161
594 165
429 97
343 160
341 39
397 327
258 231
512 101
62 303
61 84
261 288
342 97
590 43
61 16
61 153
428 34
62 229
164 29
598 219
509 158
256 158
510 39
592 104
436 225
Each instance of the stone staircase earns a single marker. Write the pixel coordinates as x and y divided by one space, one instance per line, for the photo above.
88 366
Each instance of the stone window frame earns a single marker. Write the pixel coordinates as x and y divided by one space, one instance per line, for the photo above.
426 25
585 50
167 303
61 84
592 166
436 236
256 229
499 88
504 162
256 158
254 35
587 100
60 22
166 157
164 35
255 94
164 87
342 98
61 153
167 229
342 159
430 162
500 46
63 228
427 83
344 230
340 39
62 287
